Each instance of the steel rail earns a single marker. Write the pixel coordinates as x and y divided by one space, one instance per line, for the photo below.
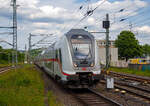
104 97
131 77
5 69
90 97
132 86
134 93
131 91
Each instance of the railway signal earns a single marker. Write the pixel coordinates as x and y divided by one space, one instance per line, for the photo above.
106 25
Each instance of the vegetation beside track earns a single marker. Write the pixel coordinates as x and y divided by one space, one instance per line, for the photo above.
130 71
4 65
52 100
7 65
23 87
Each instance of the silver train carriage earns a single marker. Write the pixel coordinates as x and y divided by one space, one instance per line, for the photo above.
73 60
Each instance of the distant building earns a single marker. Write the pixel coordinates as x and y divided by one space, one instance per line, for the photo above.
102 51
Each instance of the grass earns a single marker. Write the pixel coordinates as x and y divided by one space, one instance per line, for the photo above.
52 100
4 65
131 71
23 87
10 64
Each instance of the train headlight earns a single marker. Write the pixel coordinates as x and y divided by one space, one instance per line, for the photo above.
75 65
92 64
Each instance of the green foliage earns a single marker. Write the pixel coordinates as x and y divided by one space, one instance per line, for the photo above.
24 87
146 50
128 46
6 56
21 88
35 52
52 100
131 71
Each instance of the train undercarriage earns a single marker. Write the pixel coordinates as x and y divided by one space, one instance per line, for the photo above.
82 80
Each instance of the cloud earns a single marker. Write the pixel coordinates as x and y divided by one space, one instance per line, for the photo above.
91 21
50 16
143 29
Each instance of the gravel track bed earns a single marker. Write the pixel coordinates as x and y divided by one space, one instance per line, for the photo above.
124 99
136 85
62 95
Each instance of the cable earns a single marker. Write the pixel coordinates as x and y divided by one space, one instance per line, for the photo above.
88 13
124 19
76 11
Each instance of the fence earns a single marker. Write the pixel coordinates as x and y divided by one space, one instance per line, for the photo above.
142 67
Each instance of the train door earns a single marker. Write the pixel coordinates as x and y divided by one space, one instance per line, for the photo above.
58 62
56 65
53 57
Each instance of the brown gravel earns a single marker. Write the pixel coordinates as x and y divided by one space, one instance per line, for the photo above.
59 92
124 99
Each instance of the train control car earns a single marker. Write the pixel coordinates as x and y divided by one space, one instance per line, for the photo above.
73 60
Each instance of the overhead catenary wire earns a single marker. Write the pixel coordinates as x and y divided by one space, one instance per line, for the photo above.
126 18
122 9
88 13
139 10
139 23
85 15
76 11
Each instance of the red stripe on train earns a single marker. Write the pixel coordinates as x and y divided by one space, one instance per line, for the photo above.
60 65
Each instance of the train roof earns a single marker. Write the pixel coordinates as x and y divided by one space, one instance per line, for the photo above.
78 32
69 34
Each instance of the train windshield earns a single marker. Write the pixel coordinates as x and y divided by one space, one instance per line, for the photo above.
81 46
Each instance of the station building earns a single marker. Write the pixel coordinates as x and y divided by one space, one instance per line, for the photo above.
112 50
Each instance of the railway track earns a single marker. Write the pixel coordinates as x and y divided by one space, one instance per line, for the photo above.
90 97
138 92
131 77
135 86
5 69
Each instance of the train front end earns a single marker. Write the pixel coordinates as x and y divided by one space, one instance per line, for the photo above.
85 60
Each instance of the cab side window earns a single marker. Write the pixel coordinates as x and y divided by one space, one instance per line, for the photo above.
56 54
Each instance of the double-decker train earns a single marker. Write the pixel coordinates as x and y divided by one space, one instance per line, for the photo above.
72 60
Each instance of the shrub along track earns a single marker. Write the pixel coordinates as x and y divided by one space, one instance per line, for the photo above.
21 87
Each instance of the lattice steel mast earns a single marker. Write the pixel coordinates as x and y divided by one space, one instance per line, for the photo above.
14 59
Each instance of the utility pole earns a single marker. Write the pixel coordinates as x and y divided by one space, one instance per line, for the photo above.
32 45
131 26
25 58
109 79
106 25
29 51
14 56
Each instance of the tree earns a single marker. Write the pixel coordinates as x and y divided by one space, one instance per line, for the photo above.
1 47
6 56
146 50
128 46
